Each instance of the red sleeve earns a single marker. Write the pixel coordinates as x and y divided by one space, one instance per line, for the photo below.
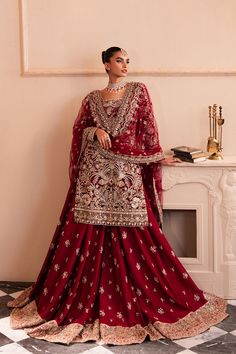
83 129
148 137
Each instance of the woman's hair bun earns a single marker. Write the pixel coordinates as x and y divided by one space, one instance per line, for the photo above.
107 54
103 56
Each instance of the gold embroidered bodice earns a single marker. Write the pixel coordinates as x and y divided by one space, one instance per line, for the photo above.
109 192
109 185
111 106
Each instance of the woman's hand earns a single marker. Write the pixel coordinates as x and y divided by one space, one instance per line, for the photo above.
170 160
103 138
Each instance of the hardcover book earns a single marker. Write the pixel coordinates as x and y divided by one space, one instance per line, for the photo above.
188 150
189 159
193 156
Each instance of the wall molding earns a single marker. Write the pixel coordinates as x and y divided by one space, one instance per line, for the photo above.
28 71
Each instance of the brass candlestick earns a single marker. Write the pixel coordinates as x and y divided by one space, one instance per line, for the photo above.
214 144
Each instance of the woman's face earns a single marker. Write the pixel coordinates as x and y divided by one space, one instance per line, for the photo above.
118 64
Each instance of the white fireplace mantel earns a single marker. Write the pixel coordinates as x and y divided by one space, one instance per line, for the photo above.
209 187
228 161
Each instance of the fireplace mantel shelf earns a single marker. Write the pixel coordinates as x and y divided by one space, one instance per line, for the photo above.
228 161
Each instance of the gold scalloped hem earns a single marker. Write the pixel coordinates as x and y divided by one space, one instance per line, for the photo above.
22 299
211 313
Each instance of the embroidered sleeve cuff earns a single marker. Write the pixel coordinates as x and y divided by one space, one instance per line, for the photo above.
89 133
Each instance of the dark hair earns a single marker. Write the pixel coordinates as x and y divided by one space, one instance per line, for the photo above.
107 54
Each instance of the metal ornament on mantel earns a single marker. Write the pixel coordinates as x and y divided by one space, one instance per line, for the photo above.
214 144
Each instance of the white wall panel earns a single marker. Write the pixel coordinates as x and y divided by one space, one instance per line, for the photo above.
163 37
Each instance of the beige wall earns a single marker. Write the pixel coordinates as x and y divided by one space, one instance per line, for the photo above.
37 111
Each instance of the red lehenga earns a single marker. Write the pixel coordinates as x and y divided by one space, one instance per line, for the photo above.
110 274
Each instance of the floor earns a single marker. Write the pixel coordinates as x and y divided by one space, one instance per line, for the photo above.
218 339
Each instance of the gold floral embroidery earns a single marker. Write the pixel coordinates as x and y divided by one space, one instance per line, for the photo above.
135 159
109 106
125 113
109 192
159 208
192 324
121 121
56 267
26 316
22 299
88 136
130 209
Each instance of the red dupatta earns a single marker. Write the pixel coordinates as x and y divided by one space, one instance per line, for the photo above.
133 133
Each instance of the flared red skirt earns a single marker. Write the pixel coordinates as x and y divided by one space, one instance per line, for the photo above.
113 283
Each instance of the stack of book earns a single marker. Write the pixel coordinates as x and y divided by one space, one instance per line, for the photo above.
190 154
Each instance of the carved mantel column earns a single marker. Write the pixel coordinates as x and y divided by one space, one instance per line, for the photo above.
219 179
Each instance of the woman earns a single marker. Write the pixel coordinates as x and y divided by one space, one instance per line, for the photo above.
110 274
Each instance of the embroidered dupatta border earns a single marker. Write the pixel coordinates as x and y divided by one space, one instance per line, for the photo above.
159 208
211 313
125 113
135 159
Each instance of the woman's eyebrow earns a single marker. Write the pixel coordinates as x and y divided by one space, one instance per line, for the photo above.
122 58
